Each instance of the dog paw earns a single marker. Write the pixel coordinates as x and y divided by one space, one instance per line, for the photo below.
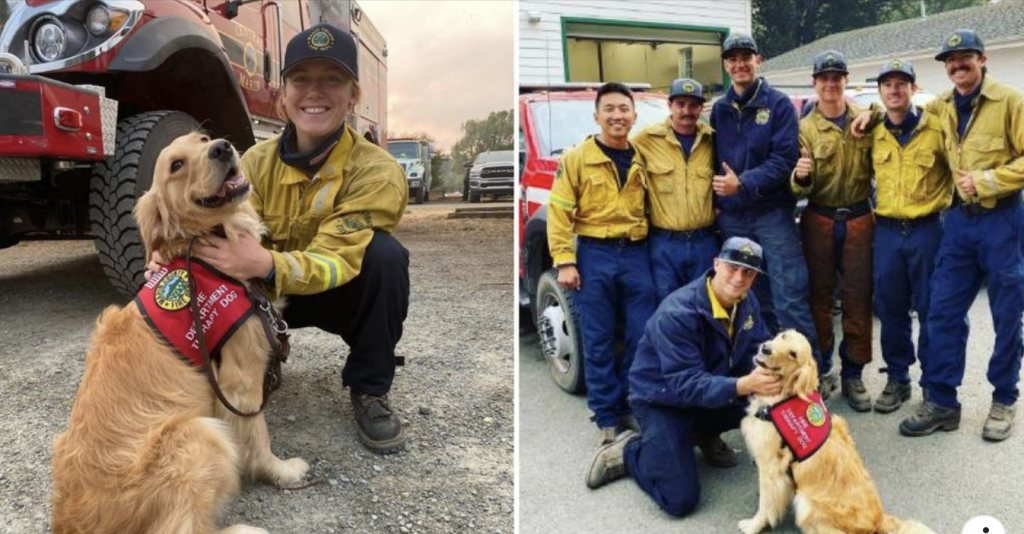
751 526
290 472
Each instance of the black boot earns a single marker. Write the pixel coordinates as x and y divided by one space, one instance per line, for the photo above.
379 428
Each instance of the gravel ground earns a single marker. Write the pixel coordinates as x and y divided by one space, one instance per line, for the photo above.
454 394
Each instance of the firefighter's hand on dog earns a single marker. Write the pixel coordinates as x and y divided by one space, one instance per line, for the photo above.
242 259
569 277
759 382
156 262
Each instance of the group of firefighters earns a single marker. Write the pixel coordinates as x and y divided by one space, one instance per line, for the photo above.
909 209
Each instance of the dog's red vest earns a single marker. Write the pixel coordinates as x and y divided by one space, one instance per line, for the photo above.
165 303
804 426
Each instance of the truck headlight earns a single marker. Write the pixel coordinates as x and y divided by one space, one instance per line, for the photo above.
49 38
98 20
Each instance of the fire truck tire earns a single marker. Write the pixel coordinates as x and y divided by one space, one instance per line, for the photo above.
116 185
558 323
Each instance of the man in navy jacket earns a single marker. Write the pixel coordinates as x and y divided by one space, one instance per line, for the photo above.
757 147
691 375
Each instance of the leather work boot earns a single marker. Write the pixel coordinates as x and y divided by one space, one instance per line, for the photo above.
999 424
716 452
608 463
628 421
379 428
892 397
828 383
857 395
606 434
929 418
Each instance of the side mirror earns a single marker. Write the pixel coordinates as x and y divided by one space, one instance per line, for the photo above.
468 164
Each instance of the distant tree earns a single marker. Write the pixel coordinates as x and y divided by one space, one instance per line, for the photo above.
493 133
782 25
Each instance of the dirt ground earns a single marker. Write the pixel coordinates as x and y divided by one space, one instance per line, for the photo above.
455 393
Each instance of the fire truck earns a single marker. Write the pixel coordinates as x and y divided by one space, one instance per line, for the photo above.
552 119
92 90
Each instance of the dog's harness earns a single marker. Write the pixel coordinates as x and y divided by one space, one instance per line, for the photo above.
805 425
221 305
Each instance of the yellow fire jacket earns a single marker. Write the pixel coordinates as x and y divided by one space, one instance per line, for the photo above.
319 227
911 181
680 193
842 164
992 146
586 199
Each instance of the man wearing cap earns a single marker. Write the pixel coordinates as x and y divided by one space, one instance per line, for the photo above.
692 374
834 174
756 145
680 163
599 194
983 125
913 185
330 200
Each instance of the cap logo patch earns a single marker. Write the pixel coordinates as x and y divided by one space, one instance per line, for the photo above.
747 249
896 64
320 40
689 88
762 116
954 40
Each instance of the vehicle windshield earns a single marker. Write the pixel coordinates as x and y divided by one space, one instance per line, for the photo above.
561 124
404 149
498 156
867 98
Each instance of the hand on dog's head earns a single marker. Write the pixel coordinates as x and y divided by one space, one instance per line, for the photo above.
789 356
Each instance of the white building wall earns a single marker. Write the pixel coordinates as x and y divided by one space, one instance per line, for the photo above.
1005 64
540 43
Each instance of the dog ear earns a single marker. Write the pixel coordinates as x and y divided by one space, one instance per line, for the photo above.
150 215
804 381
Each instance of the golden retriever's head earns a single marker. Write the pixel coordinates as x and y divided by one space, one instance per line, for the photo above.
789 356
197 187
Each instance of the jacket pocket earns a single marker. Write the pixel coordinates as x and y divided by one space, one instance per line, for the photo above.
921 188
599 193
661 177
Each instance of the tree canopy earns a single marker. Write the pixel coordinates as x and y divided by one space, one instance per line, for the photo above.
493 133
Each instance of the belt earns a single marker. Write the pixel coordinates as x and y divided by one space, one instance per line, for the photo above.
842 214
619 242
977 209
906 224
686 235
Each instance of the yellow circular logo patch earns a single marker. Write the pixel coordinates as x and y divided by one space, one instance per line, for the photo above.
689 88
815 415
171 293
954 39
896 64
320 40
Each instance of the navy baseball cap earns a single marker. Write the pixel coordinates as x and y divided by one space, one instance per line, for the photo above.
323 41
738 41
830 61
742 251
897 66
961 39
686 87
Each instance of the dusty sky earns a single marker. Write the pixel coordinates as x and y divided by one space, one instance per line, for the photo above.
448 62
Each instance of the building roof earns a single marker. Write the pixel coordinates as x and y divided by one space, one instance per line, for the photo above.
995 23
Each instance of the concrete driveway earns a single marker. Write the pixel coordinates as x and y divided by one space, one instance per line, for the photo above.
942 480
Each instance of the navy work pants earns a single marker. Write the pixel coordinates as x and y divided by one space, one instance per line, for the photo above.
976 248
662 460
616 283
367 312
678 258
904 259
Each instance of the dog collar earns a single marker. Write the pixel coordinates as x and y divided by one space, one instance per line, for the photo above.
224 305
804 425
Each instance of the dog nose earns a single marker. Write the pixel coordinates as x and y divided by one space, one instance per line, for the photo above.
220 150
766 349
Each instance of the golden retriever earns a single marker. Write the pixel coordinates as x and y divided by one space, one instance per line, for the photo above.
832 492
148 448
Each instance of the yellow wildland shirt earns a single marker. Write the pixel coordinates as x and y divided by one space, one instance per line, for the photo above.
319 227
841 175
993 143
586 199
680 192
911 181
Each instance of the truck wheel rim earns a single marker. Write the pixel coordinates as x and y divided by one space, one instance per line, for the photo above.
554 336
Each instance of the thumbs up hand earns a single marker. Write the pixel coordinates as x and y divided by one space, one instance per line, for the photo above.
727 184
804 165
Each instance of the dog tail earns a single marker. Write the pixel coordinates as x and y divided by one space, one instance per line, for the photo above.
892 525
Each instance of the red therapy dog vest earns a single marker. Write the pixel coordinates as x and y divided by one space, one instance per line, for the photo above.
804 426
165 302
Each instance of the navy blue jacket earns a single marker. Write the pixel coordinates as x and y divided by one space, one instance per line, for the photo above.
759 141
685 358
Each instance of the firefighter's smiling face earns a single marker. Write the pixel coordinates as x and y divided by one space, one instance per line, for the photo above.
318 95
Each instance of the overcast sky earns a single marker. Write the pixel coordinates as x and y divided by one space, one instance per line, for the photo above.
448 62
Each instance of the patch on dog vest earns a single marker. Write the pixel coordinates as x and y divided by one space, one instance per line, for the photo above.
804 426
165 303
